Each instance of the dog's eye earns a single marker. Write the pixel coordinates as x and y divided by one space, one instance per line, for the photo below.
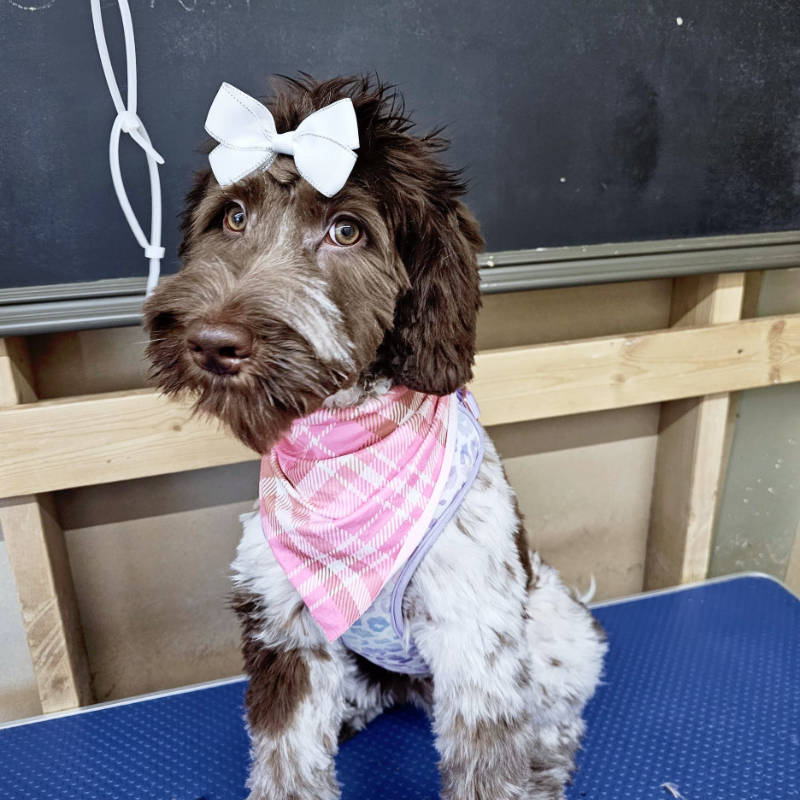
344 232
235 219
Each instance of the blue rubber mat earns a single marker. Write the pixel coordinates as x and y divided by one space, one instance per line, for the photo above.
702 692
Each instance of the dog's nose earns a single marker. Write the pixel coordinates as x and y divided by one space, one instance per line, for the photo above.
218 347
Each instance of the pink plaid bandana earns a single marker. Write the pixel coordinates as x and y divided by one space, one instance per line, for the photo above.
349 493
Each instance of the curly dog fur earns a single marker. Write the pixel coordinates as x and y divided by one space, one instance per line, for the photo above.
296 321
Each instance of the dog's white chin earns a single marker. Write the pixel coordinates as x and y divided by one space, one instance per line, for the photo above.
357 393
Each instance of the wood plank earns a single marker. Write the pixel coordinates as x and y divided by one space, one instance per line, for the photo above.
614 372
685 490
38 556
57 444
16 378
693 434
750 300
107 437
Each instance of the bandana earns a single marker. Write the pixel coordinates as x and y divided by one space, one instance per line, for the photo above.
348 494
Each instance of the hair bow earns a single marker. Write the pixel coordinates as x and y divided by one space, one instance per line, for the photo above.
322 144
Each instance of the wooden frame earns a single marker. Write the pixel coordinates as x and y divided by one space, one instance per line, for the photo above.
38 555
80 441
690 367
691 443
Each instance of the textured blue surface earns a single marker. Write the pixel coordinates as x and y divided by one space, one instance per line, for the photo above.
702 691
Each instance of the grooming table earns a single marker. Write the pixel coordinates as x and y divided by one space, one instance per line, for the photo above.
701 700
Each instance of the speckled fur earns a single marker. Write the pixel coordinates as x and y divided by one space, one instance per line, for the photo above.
514 655
512 667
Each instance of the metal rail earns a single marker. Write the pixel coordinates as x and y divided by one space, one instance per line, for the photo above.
117 302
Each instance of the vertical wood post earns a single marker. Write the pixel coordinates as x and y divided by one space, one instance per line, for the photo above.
692 446
38 556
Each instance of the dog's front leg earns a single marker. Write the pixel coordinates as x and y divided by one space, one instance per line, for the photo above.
295 699
481 714
470 630
294 712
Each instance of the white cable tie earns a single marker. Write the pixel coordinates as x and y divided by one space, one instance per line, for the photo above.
153 252
128 121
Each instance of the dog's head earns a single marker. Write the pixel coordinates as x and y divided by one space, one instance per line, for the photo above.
286 296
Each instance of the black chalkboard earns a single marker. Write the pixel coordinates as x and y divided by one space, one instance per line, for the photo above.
577 122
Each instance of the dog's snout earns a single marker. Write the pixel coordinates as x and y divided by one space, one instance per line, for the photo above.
219 347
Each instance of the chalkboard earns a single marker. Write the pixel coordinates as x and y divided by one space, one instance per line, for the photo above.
577 122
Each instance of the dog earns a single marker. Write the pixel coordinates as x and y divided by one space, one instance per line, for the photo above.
291 305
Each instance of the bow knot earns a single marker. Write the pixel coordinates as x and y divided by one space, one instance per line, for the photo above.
322 145
283 143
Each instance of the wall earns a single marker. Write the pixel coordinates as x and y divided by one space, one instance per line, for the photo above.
150 557
18 696
758 522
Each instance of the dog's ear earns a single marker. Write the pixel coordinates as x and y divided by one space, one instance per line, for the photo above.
431 347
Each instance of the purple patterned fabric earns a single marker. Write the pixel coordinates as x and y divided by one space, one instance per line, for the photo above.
378 635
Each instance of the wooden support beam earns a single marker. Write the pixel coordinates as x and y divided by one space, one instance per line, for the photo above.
597 374
16 378
692 447
57 444
96 439
750 299
38 556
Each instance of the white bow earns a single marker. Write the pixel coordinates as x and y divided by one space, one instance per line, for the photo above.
322 145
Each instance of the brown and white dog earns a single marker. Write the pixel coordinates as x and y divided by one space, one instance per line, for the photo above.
289 301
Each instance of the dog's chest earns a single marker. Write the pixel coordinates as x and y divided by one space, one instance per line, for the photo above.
379 635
